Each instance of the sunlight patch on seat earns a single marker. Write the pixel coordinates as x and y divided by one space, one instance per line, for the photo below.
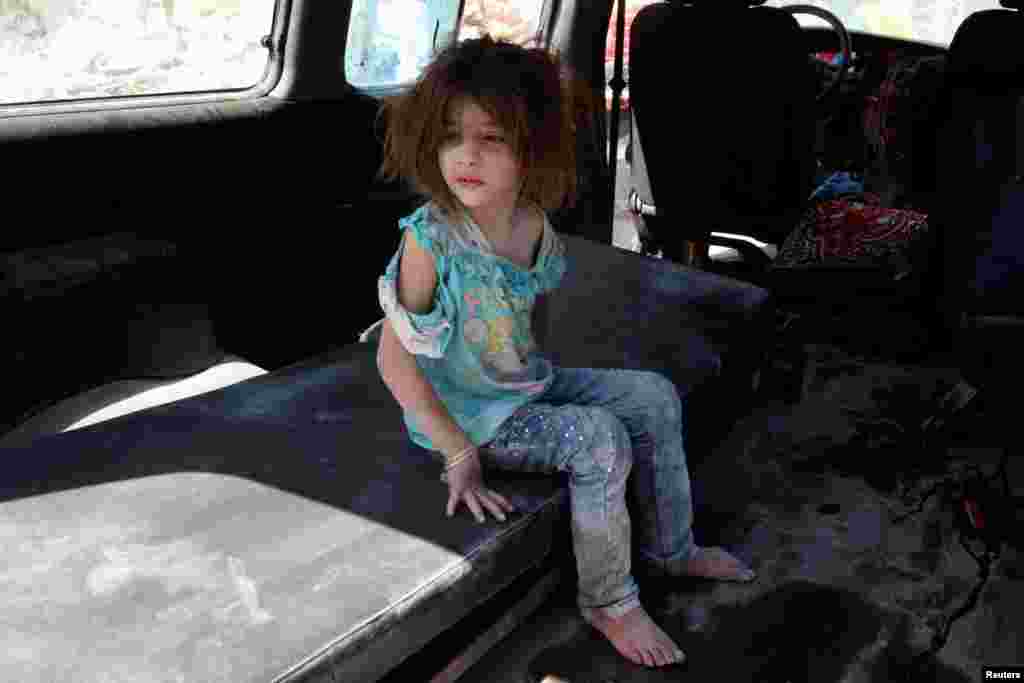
212 379
770 250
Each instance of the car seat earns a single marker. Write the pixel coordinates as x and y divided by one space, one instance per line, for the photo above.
980 181
732 149
734 153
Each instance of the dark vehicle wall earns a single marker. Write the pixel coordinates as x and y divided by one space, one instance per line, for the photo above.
266 207
272 212
271 205
269 202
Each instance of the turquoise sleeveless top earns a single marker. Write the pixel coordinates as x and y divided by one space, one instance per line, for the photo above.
475 345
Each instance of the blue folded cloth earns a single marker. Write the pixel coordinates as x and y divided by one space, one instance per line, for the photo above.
836 185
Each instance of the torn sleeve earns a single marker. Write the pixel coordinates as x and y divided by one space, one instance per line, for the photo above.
424 334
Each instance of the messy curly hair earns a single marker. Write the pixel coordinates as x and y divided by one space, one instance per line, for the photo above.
531 95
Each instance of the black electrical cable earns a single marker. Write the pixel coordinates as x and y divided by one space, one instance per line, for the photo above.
939 639
915 670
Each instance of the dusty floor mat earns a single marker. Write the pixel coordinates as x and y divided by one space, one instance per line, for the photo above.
808 494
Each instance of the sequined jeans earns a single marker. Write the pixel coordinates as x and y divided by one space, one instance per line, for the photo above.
598 425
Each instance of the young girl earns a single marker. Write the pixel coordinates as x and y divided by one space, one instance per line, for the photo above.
488 133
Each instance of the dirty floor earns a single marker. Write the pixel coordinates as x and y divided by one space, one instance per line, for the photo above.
809 493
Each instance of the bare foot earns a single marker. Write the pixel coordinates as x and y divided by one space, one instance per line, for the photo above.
716 563
638 638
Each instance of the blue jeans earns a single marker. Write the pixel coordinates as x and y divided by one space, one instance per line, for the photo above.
598 425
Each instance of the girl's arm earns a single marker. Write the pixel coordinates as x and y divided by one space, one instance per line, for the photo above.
415 394
417 282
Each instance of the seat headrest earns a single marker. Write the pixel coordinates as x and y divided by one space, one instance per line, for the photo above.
977 57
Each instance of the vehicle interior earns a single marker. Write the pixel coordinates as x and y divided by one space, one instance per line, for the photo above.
808 217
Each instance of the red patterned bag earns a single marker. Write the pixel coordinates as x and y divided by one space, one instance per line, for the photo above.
854 232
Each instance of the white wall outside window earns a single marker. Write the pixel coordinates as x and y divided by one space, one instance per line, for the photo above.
54 50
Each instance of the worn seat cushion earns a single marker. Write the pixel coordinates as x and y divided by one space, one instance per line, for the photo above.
335 520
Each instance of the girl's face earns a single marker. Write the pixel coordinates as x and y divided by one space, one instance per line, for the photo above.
477 160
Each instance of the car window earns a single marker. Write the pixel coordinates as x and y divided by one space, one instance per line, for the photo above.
514 20
391 41
75 49
928 21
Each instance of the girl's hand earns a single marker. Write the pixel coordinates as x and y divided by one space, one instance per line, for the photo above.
466 484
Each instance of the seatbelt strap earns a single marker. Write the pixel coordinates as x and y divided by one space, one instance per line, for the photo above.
617 84
1018 131
632 125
